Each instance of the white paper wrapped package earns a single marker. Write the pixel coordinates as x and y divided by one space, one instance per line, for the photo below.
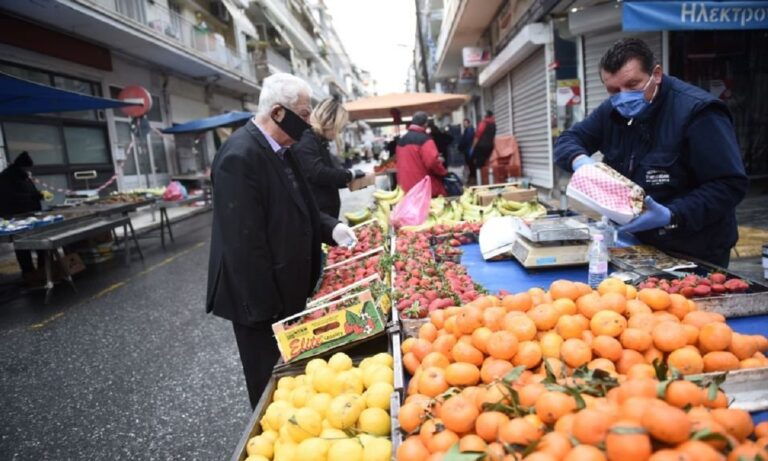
604 190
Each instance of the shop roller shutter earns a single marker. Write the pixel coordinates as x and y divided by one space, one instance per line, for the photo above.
501 105
529 118
594 48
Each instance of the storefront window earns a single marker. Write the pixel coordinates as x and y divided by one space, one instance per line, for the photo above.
77 86
25 73
52 182
43 142
86 145
732 66
123 131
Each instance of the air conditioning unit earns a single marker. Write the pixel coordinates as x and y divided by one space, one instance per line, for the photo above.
220 11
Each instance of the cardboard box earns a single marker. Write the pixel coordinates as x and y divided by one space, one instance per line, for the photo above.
328 326
362 183
517 194
379 290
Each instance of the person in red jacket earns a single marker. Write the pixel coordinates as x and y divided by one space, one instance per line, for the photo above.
417 156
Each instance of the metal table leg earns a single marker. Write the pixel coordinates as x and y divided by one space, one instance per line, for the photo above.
48 275
127 246
135 241
168 224
61 257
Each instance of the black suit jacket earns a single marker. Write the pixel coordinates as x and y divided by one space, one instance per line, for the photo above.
325 176
265 243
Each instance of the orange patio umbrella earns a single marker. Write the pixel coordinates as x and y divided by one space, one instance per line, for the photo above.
377 107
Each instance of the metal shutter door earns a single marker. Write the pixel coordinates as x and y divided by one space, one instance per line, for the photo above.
529 118
501 105
594 48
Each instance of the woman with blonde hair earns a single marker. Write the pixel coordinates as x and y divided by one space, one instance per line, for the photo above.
322 169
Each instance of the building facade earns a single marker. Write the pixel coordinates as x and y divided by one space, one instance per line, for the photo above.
541 75
197 58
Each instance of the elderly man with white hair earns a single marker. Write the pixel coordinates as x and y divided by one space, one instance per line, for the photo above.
267 231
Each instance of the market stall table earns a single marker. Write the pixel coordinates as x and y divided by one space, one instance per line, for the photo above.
510 275
50 243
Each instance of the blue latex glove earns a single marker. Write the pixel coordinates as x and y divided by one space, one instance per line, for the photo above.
653 217
580 161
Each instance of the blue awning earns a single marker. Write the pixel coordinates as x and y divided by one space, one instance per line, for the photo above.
19 97
694 15
203 124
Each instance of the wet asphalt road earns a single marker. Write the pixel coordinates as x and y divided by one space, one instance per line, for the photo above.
130 367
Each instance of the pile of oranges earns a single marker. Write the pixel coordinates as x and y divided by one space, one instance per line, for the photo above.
461 362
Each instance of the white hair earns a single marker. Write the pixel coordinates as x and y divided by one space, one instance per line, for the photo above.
282 89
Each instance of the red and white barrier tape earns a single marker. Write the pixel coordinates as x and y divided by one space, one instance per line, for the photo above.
50 188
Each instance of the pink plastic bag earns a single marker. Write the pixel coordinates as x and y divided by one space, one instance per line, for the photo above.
414 207
175 191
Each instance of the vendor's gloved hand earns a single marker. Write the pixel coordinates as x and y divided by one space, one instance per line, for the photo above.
580 161
47 196
653 217
343 236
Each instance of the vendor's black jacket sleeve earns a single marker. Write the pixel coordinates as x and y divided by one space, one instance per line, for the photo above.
325 177
684 153
266 237
18 193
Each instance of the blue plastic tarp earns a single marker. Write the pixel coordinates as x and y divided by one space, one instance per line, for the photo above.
19 97
203 124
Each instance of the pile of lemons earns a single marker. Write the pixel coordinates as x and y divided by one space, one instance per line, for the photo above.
333 412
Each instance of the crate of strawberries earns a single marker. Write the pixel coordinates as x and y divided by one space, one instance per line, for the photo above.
339 275
715 291
369 236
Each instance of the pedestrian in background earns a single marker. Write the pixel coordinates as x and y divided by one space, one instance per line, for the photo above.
465 147
323 171
18 195
267 231
417 156
482 146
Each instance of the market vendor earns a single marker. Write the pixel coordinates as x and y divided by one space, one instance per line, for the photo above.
267 231
417 157
19 195
674 140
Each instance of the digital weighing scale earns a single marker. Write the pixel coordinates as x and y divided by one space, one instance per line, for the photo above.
552 241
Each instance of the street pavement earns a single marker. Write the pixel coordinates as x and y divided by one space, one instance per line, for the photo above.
130 366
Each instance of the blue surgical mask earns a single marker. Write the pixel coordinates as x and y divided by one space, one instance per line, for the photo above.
631 103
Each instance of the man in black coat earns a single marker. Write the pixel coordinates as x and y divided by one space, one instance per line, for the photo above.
267 230
18 195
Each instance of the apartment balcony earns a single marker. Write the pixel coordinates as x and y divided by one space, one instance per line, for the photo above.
277 62
149 31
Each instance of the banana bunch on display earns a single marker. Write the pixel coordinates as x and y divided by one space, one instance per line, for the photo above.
520 209
388 198
356 217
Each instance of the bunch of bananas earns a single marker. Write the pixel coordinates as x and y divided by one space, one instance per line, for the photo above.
357 217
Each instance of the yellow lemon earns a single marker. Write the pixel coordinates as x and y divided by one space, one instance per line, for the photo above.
313 365
303 424
357 372
300 380
332 434
343 412
378 374
300 396
379 395
276 414
374 421
320 402
313 448
346 450
256 458
377 449
282 395
265 424
286 382
366 362
270 435
286 452
260 445
340 362
384 359
284 436
322 379
347 382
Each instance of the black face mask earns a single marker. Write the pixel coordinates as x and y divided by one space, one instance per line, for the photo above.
291 124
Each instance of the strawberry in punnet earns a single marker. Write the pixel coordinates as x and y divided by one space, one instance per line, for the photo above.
416 311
